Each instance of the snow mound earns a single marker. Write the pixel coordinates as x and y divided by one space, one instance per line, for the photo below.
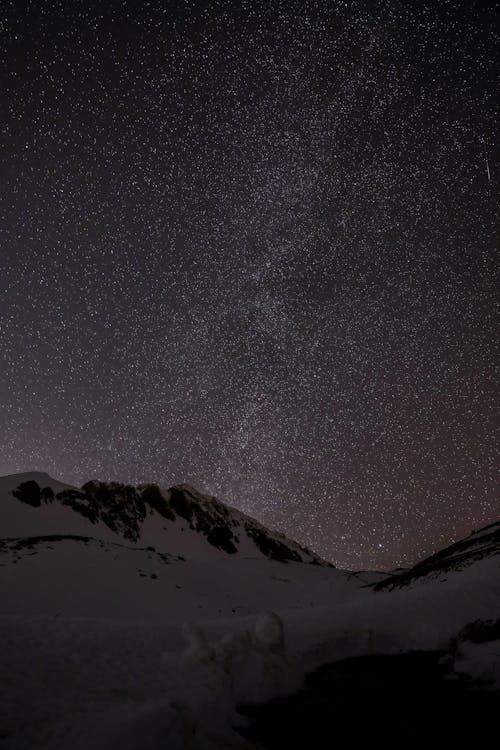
207 681
250 665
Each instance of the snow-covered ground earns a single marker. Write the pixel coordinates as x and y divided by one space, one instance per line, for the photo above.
95 650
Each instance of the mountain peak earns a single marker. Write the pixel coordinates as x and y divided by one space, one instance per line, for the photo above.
178 520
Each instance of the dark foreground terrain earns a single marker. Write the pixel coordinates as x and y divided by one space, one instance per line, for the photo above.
399 700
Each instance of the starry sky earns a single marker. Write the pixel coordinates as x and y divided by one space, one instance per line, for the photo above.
252 246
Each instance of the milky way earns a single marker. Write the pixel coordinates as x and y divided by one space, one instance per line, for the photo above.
251 246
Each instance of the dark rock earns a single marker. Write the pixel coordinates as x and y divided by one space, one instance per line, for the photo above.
47 494
222 538
152 496
29 493
480 631
272 548
181 504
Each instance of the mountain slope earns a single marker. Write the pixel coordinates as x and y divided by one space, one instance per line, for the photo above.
116 552
179 520
479 545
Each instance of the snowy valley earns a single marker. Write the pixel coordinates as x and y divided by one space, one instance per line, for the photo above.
143 617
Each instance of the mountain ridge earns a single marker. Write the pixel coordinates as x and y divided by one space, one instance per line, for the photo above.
479 544
130 513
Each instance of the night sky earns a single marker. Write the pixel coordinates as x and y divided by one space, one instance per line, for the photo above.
252 246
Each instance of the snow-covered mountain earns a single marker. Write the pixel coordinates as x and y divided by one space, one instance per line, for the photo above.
179 520
97 584
118 552
479 545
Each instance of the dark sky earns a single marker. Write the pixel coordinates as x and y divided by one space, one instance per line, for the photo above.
251 246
